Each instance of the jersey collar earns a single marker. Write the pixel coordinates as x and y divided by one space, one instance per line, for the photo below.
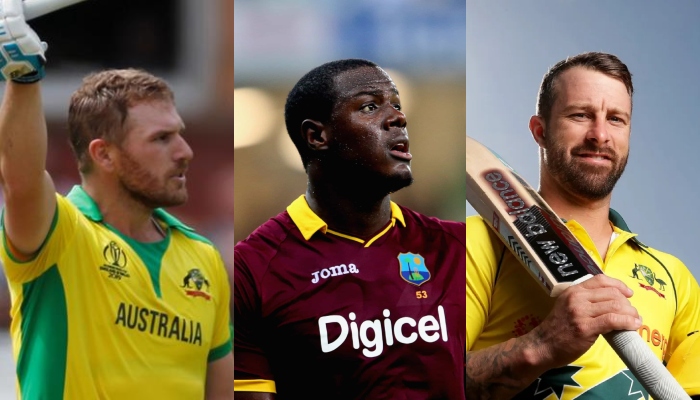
309 223
79 197
620 223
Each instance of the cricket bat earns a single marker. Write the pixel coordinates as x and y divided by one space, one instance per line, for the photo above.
551 253
37 8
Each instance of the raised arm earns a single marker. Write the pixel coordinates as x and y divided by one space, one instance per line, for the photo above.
27 188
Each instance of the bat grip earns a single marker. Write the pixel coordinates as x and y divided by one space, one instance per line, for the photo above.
642 361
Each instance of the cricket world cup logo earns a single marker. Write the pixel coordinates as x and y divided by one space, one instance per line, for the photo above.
115 258
413 268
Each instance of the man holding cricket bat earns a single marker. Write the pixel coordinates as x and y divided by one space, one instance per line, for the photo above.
112 297
524 344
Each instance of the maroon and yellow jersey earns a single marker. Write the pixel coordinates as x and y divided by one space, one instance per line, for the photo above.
320 314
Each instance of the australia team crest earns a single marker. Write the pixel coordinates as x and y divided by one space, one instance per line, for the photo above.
650 277
413 268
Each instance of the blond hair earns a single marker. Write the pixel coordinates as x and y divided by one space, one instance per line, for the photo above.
99 107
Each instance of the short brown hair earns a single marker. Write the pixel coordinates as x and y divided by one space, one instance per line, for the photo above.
99 108
605 63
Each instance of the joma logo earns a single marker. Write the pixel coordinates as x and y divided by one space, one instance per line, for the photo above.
326 273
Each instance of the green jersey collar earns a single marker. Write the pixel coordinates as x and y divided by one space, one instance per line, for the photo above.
617 220
89 208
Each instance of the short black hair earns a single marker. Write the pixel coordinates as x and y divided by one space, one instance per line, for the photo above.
314 97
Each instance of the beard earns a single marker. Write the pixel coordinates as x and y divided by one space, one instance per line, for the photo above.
585 180
144 187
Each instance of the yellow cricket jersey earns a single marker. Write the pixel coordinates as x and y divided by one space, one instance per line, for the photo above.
685 363
97 315
504 302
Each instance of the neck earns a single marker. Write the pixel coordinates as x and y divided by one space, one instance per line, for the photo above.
124 213
592 215
355 211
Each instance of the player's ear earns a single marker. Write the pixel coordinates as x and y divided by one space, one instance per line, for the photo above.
314 134
537 127
101 154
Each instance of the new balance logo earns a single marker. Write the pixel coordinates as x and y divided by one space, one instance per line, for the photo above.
326 273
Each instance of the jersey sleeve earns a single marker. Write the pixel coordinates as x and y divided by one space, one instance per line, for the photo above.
221 343
685 364
683 355
58 239
252 368
482 267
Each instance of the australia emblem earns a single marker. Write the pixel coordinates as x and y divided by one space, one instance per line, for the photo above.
413 268
194 283
650 277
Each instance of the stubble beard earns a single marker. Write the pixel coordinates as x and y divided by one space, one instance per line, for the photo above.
585 180
145 188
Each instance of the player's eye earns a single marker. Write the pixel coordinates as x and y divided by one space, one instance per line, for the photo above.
581 116
368 107
397 106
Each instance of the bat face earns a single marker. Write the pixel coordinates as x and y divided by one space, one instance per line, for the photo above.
556 247
526 224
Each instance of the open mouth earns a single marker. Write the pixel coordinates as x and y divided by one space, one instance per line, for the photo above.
400 151
180 176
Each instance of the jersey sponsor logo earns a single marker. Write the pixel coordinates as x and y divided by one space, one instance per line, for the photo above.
650 277
337 270
413 269
159 323
653 336
193 283
374 334
116 261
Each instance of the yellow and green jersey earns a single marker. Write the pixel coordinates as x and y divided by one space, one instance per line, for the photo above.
96 314
504 302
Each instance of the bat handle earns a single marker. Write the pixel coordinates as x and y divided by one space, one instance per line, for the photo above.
642 361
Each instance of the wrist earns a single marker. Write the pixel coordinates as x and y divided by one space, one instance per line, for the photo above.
537 355
31 77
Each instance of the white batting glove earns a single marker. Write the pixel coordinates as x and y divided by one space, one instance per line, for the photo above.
21 51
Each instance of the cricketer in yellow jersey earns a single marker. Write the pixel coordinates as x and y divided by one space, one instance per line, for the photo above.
112 297
504 302
521 343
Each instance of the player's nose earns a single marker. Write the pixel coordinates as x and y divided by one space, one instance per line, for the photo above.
395 118
598 131
183 150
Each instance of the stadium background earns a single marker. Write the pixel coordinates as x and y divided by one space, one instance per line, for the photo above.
420 43
187 42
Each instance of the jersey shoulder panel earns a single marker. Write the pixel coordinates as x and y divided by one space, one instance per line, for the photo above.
256 251
455 229
67 220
